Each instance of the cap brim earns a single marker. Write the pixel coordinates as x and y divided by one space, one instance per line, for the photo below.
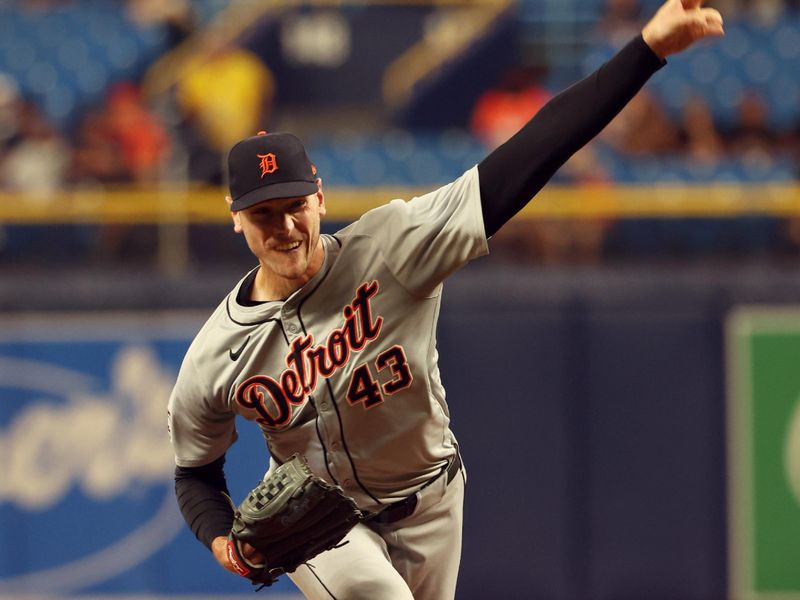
289 189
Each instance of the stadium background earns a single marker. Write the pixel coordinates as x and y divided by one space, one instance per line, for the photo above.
621 369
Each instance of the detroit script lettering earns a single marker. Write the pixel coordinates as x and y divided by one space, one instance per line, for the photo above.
273 398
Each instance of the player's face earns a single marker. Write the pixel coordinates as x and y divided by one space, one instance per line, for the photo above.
284 236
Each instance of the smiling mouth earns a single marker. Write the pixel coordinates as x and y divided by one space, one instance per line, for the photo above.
288 247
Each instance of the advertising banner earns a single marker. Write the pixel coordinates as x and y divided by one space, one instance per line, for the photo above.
87 504
764 453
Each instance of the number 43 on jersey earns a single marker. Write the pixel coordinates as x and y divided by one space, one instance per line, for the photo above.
364 386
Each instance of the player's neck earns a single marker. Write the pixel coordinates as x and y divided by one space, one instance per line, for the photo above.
269 285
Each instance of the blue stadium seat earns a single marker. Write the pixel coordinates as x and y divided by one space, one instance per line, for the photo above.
65 58
396 157
677 168
750 56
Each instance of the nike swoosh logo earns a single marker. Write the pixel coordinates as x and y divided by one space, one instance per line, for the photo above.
238 353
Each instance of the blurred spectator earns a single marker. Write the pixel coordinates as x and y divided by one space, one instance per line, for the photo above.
751 138
37 158
119 142
96 159
10 109
789 144
141 139
642 128
702 142
225 94
500 112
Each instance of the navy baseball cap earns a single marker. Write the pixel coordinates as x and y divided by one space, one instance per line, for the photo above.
269 166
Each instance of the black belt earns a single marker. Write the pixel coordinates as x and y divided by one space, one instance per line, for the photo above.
405 508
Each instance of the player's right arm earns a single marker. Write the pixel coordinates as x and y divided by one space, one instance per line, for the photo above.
515 172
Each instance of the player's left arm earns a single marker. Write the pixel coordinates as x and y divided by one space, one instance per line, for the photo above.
204 501
515 172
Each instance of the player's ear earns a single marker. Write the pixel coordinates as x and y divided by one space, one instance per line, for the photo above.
320 197
237 220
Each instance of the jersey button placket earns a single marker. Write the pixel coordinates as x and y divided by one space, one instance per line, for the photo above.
290 323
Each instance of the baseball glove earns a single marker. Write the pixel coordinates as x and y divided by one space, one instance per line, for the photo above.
290 517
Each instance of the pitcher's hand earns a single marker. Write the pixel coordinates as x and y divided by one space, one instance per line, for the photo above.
219 547
680 23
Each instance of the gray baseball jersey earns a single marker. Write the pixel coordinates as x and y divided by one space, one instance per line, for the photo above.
345 369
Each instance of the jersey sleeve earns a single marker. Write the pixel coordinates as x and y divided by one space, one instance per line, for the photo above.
201 426
426 239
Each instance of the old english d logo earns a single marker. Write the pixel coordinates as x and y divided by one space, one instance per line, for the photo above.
268 164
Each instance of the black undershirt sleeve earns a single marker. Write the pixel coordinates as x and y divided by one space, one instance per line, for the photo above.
200 497
515 172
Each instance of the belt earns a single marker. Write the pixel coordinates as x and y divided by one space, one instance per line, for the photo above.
405 508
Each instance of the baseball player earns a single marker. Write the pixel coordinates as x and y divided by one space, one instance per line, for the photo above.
329 344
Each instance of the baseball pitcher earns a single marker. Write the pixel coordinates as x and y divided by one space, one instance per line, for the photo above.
329 346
